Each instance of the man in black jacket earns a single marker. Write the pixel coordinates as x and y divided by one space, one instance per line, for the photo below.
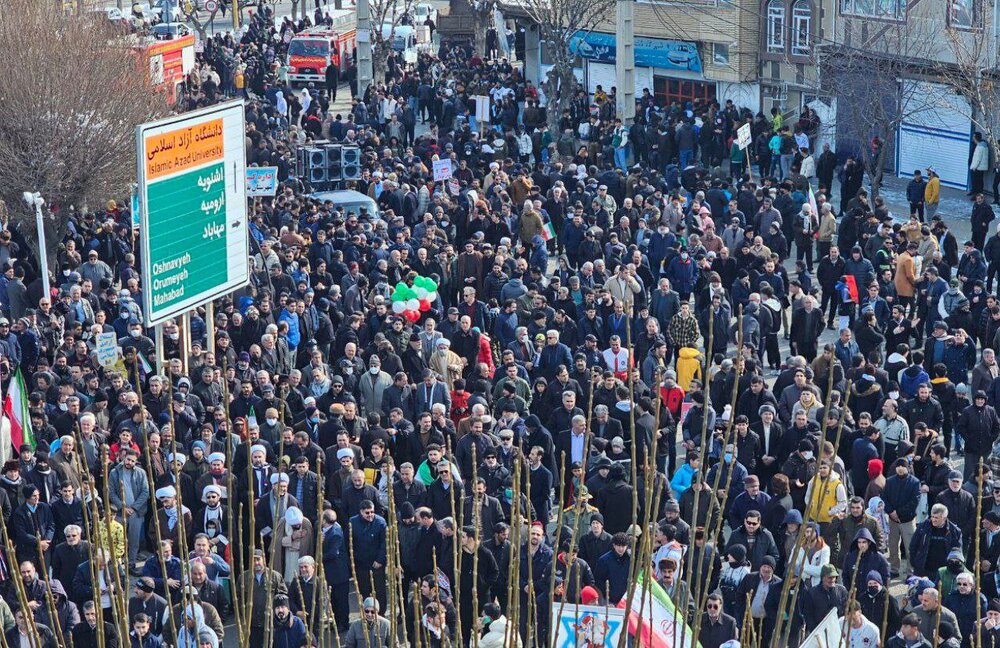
979 425
831 269
21 633
596 543
764 590
807 324
85 633
961 506
752 534
820 599
717 627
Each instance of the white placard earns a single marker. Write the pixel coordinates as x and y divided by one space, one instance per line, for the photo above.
442 170
482 108
743 136
107 348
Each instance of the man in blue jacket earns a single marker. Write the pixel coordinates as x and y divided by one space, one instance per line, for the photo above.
289 630
901 494
932 541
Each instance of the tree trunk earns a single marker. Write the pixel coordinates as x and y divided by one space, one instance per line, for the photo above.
484 19
380 55
559 86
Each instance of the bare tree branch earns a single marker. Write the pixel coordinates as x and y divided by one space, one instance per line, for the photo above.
872 72
68 132
559 21
390 14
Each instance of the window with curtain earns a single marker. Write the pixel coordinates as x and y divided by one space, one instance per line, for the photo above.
882 9
802 28
776 22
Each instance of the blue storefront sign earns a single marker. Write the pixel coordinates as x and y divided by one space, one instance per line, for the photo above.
649 52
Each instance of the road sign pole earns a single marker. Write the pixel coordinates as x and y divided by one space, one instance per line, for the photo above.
43 260
159 350
186 324
210 326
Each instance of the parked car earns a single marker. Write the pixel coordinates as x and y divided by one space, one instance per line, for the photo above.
169 31
349 200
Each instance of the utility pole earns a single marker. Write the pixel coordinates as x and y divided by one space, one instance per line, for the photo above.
364 47
625 60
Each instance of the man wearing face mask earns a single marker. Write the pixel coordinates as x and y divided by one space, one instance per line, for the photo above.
372 386
872 598
721 472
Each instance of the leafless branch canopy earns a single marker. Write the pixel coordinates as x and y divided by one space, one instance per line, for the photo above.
71 95
873 70
558 21
387 13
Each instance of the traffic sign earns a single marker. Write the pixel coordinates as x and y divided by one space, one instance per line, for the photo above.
193 209
211 6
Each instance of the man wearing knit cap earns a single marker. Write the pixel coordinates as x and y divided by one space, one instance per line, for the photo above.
764 590
872 598
371 629
820 599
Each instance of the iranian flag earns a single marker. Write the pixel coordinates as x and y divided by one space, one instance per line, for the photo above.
15 408
652 619
812 202
548 231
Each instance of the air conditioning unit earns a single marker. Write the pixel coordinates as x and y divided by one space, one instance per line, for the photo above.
350 157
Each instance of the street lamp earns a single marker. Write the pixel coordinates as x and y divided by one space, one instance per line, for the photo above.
34 199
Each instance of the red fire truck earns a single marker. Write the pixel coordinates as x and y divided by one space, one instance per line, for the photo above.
312 50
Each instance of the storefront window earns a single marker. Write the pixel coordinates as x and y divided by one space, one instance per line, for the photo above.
667 91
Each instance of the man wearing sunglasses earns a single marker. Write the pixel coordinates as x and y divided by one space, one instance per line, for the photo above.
370 630
717 627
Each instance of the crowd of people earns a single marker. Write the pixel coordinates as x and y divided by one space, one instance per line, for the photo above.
620 373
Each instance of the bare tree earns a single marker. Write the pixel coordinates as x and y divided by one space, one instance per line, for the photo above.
972 74
72 92
558 22
873 71
386 17
189 10
483 10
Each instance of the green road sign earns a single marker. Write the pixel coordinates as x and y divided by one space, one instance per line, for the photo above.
192 190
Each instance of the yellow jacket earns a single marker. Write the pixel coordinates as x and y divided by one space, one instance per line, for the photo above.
932 192
117 538
823 503
688 366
